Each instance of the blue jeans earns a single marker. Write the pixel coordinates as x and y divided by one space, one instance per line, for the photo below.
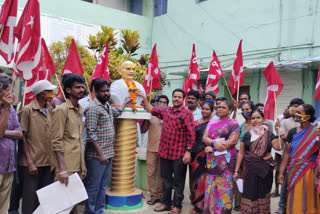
96 185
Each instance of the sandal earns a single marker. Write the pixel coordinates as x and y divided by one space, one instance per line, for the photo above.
152 201
175 210
161 208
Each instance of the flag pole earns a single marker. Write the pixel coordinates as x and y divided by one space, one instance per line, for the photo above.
276 113
238 90
13 79
225 82
24 94
2 31
87 86
150 90
64 96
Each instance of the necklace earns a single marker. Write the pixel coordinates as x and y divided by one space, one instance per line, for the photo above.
132 88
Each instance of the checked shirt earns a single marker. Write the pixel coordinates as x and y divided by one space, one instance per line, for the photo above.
100 128
178 131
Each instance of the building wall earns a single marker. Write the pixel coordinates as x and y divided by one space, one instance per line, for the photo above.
274 30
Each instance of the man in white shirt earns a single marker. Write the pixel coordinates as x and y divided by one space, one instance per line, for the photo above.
192 103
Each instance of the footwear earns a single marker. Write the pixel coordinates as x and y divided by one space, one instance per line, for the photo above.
175 210
152 201
275 194
161 208
237 208
193 211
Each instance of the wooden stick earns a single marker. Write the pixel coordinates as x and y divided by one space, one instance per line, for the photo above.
24 94
64 96
276 113
1 31
227 86
238 90
150 91
13 81
87 86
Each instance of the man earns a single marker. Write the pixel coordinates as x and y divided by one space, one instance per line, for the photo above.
99 149
259 106
192 103
154 125
243 98
67 127
59 99
35 159
285 126
177 139
9 131
210 96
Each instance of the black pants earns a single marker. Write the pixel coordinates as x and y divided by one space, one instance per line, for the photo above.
31 184
173 174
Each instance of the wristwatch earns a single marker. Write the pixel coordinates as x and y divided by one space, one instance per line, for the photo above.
189 149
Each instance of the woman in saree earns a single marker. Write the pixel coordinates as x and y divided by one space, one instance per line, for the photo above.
198 163
299 158
255 152
220 136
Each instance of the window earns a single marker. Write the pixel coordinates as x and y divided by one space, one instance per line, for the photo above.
91 1
199 1
136 6
160 7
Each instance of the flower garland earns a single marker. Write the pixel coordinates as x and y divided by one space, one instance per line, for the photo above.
132 88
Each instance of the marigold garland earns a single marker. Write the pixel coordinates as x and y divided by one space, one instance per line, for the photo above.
132 88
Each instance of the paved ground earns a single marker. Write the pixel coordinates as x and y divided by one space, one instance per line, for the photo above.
147 209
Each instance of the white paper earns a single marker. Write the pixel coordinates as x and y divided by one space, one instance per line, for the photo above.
58 198
240 185
217 153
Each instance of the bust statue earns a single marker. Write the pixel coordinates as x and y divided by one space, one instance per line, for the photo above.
120 88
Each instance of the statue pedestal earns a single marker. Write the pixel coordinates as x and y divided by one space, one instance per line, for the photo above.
122 195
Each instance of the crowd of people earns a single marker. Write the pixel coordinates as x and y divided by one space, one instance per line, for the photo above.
220 141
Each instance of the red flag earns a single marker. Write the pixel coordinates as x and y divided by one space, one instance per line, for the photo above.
317 90
44 70
194 74
28 34
237 71
102 67
274 88
73 62
153 73
200 89
215 72
8 20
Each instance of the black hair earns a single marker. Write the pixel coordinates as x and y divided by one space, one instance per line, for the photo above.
209 104
179 90
309 110
245 93
259 104
295 101
211 93
257 111
202 96
4 82
1 71
250 103
99 83
64 77
164 97
194 93
221 99
69 80
92 84
230 106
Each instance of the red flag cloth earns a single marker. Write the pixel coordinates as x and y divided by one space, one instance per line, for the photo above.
237 71
102 67
200 89
73 62
153 74
194 74
215 72
274 88
8 20
317 90
44 71
28 33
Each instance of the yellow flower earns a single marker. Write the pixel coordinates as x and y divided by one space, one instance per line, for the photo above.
228 206
225 198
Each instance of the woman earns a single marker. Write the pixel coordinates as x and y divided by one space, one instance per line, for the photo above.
198 164
299 158
255 149
220 136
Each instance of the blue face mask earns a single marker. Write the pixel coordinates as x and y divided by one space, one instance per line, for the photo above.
246 115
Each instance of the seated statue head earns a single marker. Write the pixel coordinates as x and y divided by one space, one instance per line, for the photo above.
127 70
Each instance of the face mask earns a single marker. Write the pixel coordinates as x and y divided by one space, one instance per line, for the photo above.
246 115
299 118
49 96
292 111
